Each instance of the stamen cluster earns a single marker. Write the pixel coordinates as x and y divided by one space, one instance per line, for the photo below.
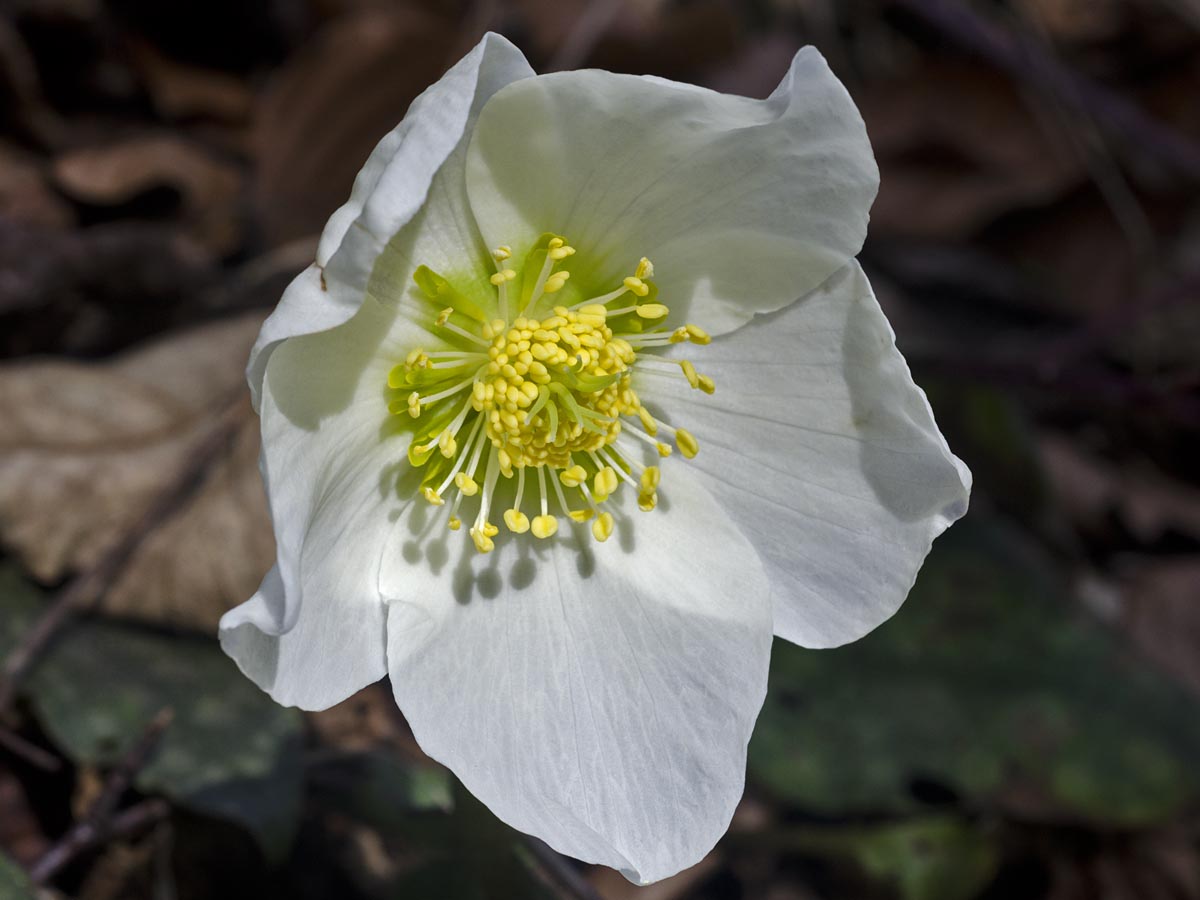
551 396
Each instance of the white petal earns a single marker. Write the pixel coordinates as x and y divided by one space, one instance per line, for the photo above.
599 696
314 633
825 453
742 205
387 194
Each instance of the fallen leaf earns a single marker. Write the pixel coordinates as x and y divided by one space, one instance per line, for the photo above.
1162 614
988 681
1076 21
957 146
20 833
181 91
114 174
1092 491
326 108
24 194
96 290
230 751
86 447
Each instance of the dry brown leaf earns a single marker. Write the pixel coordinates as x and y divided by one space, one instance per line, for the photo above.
24 194
957 147
116 173
1162 614
325 110
180 91
1091 490
20 834
1076 21
86 447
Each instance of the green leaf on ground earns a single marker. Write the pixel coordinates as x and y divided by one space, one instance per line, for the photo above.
990 679
230 751
385 792
14 885
930 858
20 604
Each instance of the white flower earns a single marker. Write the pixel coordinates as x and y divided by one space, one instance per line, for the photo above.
590 670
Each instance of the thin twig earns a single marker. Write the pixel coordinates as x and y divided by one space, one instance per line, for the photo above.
1025 61
564 874
120 779
85 590
87 836
31 753
100 824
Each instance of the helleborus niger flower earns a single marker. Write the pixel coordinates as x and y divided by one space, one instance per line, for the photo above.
583 400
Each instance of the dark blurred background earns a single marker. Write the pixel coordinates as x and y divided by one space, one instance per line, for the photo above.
1026 727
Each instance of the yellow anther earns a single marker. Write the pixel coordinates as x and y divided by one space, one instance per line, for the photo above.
414 404
647 421
483 543
651 310
502 276
432 496
604 483
689 372
454 524
557 253
466 484
555 242
555 282
635 285
573 477
647 501
698 334
517 521
490 530
501 253
707 384
645 269
679 335
444 316
664 450
649 480
544 526
686 443
602 528
447 444
581 515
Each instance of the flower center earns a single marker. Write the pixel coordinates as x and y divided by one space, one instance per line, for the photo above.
546 396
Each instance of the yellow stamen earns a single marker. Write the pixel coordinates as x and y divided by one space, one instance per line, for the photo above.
602 528
544 526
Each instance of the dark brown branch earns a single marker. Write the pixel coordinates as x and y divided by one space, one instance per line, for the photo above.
556 867
88 836
84 591
101 825
1026 61
31 753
